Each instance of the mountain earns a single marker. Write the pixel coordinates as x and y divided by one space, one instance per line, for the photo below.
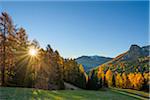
133 54
136 59
89 62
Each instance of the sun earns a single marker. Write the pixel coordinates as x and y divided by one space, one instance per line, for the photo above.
33 51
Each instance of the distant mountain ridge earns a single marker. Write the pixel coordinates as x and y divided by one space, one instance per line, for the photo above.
133 54
136 59
89 62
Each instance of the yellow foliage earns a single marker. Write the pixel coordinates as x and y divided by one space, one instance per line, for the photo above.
109 76
86 77
131 79
103 76
119 81
100 72
136 80
99 75
81 68
101 69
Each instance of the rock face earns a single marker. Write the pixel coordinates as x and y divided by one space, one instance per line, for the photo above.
89 62
146 50
135 52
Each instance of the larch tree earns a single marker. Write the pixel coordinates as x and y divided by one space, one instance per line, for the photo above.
138 81
6 27
109 77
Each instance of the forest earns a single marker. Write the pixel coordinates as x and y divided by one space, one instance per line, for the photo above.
25 64
126 74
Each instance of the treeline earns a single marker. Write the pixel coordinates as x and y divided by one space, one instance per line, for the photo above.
47 70
109 78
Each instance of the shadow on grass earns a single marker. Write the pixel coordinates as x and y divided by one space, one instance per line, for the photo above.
37 94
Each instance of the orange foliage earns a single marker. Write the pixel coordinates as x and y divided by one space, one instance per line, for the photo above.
136 80
109 76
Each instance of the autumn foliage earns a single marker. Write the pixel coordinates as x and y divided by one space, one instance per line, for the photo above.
46 70
122 80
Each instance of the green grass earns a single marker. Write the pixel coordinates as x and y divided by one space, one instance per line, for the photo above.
138 94
33 94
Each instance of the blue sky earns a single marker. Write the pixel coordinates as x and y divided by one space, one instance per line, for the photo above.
83 28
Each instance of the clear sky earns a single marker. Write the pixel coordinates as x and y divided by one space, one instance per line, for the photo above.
83 28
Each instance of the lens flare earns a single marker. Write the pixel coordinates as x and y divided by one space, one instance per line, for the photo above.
33 51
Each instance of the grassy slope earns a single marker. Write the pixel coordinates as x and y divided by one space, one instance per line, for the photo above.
32 94
138 94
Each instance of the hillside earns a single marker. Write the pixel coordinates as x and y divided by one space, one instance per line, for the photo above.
89 62
136 59
129 70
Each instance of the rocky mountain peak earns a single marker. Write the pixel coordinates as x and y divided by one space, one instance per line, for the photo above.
135 48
